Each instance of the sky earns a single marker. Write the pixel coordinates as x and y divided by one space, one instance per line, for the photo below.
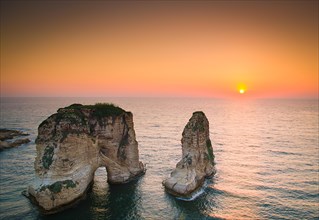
169 49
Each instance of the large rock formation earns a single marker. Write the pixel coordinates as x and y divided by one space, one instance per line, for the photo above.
73 143
197 160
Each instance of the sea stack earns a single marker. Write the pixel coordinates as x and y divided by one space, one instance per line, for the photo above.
197 158
73 143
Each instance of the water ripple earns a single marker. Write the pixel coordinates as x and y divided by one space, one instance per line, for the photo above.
266 156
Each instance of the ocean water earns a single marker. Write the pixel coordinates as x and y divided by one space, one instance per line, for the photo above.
266 153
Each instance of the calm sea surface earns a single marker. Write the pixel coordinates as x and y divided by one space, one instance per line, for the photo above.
266 152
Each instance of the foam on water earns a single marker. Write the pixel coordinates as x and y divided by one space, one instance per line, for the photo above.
193 196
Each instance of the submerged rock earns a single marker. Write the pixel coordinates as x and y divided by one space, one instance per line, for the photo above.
6 135
73 143
197 160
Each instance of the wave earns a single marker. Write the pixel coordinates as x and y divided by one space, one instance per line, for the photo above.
193 196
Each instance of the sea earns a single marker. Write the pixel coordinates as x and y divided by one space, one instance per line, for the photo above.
266 154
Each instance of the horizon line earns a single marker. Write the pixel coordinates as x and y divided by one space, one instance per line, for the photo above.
170 97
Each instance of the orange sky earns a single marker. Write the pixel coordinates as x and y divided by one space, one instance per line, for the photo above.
196 49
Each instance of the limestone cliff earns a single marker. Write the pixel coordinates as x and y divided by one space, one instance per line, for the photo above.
73 143
197 160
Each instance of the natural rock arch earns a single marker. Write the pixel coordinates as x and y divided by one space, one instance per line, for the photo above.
73 143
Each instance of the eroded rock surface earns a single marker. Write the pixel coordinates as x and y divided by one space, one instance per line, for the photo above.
73 143
197 158
7 138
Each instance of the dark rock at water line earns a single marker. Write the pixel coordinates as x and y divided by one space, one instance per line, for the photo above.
7 135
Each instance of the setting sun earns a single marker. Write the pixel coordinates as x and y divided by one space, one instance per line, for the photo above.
186 49
241 88
91 90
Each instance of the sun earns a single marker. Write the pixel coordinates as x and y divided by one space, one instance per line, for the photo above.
241 88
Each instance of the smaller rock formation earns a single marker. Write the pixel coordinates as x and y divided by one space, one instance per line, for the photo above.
197 160
7 135
73 143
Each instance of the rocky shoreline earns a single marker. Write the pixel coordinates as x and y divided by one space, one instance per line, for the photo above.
74 142
7 138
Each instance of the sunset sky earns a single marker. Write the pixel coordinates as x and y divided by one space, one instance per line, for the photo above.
188 49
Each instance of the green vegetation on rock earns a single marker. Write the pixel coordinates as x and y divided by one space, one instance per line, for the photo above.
210 150
106 109
99 109
75 106
74 113
47 157
57 186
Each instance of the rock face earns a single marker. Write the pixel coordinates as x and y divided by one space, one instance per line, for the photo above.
197 160
73 143
7 135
